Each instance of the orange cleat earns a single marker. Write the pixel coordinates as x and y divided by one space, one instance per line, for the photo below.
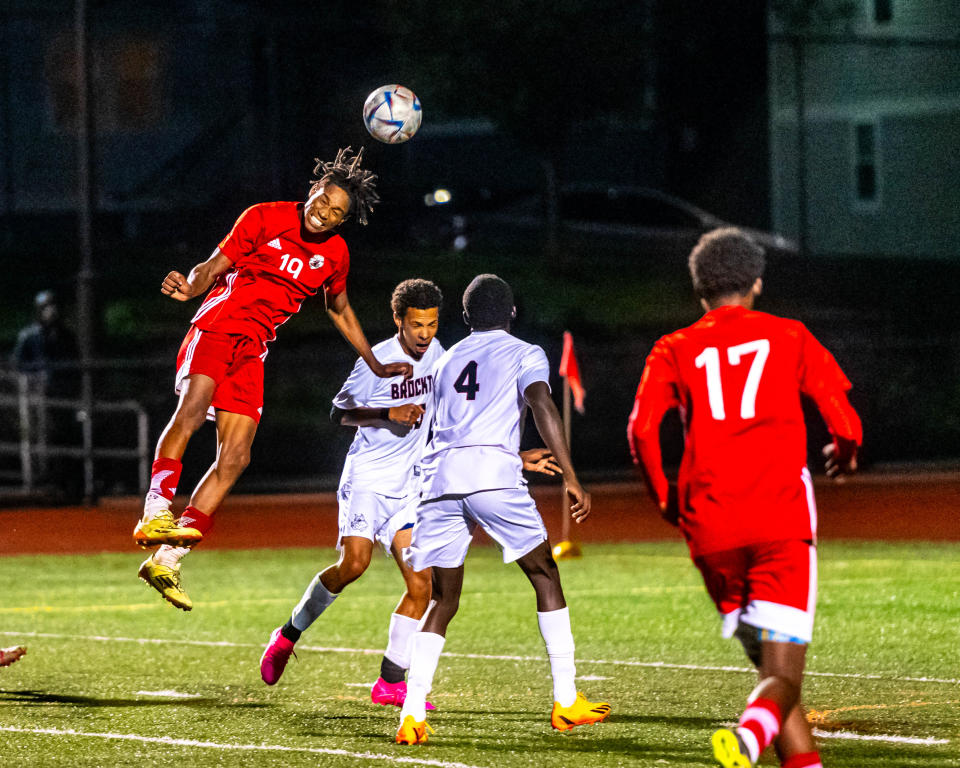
412 732
581 712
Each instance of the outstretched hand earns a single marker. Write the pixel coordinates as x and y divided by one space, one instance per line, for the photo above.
580 506
540 460
175 286
841 456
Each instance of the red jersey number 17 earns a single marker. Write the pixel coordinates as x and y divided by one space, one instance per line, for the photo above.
709 359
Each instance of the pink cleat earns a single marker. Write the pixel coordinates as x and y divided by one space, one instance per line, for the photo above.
275 657
391 693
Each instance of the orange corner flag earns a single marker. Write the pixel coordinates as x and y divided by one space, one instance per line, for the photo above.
571 371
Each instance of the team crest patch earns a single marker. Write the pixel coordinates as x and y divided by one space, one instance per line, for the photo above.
358 522
316 261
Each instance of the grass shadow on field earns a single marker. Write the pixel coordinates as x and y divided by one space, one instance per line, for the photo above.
523 731
619 749
45 697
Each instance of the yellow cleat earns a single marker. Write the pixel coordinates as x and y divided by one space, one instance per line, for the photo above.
166 581
412 732
581 712
728 750
162 529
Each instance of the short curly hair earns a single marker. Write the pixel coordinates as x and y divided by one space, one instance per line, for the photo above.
346 173
488 302
416 293
725 261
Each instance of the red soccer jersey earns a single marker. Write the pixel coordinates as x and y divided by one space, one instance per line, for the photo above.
277 264
737 376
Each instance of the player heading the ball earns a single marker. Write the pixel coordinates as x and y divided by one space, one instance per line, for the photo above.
276 256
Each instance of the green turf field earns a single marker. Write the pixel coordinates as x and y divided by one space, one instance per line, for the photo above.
114 676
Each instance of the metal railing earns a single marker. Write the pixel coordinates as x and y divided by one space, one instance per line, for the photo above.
27 399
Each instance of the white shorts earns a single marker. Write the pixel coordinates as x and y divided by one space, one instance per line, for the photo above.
445 526
373 515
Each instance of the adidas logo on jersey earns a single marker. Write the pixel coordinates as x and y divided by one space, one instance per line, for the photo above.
275 243
316 261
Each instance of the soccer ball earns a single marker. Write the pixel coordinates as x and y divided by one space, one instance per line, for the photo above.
392 114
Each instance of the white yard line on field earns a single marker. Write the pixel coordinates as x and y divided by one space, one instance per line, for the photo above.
169 741
877 737
170 694
479 656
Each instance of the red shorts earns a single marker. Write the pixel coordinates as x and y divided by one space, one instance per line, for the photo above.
771 585
234 362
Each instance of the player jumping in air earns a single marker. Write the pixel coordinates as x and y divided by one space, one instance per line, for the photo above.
379 486
744 498
276 255
472 476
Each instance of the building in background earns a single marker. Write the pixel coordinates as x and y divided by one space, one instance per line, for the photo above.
879 89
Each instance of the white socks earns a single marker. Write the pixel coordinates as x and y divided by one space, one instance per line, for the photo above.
153 504
398 642
425 649
556 633
750 742
169 556
426 613
315 601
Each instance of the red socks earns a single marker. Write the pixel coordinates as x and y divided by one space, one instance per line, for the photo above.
761 720
806 760
164 476
194 518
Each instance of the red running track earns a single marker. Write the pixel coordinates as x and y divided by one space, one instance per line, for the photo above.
868 507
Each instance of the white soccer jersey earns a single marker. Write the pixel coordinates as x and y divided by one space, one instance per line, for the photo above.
385 459
479 412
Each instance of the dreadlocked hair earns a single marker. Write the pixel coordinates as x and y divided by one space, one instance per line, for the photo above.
346 173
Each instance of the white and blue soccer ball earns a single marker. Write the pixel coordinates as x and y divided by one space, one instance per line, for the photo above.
392 114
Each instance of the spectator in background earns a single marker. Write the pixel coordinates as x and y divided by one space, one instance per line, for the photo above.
47 347
47 351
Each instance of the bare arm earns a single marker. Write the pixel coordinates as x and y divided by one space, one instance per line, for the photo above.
407 415
201 277
548 422
343 317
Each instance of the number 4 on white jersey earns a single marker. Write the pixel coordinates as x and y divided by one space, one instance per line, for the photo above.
710 359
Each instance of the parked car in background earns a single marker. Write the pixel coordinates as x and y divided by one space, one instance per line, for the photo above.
640 217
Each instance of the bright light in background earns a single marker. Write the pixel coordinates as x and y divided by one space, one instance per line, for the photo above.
437 197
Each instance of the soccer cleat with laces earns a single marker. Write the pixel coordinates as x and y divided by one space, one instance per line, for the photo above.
412 732
581 712
729 749
166 581
391 693
10 655
163 529
275 657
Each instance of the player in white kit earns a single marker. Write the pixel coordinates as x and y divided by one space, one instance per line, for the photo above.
377 494
472 476
379 486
